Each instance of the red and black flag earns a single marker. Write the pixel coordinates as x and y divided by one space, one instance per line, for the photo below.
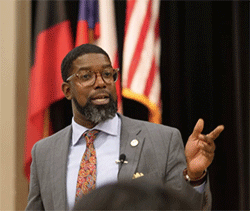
52 40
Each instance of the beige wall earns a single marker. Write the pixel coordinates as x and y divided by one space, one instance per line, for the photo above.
14 70
7 84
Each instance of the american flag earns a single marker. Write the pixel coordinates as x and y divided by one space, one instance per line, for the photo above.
141 56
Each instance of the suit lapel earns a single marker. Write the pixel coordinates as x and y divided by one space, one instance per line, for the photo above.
59 168
129 132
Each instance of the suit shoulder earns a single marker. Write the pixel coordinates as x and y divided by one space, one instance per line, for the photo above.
65 132
149 125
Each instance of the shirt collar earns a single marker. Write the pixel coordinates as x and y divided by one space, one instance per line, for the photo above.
109 126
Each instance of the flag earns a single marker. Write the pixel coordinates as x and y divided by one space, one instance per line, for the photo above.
96 24
141 56
52 41
88 26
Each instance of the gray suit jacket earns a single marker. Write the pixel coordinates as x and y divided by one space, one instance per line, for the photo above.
159 156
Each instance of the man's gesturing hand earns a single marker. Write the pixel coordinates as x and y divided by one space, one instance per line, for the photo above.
200 148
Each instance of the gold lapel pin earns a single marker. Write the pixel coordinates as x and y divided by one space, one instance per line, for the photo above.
134 142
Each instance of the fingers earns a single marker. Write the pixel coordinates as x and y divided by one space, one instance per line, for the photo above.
206 145
207 149
216 132
198 127
206 138
212 135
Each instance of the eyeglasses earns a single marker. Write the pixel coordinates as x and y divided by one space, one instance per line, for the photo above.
88 77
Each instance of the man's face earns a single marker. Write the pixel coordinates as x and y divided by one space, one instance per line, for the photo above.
95 103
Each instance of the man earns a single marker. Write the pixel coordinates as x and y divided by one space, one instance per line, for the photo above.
146 151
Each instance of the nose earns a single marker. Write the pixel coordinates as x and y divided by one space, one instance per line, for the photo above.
99 82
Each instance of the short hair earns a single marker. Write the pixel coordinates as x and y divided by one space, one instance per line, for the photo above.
133 196
75 53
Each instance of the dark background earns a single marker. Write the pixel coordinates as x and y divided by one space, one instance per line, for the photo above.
204 74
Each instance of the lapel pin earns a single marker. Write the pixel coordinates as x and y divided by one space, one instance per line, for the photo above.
134 142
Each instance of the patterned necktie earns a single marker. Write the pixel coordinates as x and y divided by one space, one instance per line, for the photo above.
87 172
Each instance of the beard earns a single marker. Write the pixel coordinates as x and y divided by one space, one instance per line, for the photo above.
97 113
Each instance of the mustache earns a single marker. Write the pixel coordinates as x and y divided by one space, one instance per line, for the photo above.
101 92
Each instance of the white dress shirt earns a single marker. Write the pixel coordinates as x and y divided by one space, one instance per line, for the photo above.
107 146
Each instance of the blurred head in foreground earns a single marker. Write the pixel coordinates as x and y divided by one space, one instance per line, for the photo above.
124 196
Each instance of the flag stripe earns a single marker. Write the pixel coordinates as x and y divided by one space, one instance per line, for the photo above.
151 78
132 36
139 46
82 37
45 20
130 8
145 63
156 86
89 12
154 68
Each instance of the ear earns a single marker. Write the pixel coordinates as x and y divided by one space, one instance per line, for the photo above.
66 90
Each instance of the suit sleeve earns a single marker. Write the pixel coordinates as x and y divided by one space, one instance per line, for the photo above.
176 163
34 198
